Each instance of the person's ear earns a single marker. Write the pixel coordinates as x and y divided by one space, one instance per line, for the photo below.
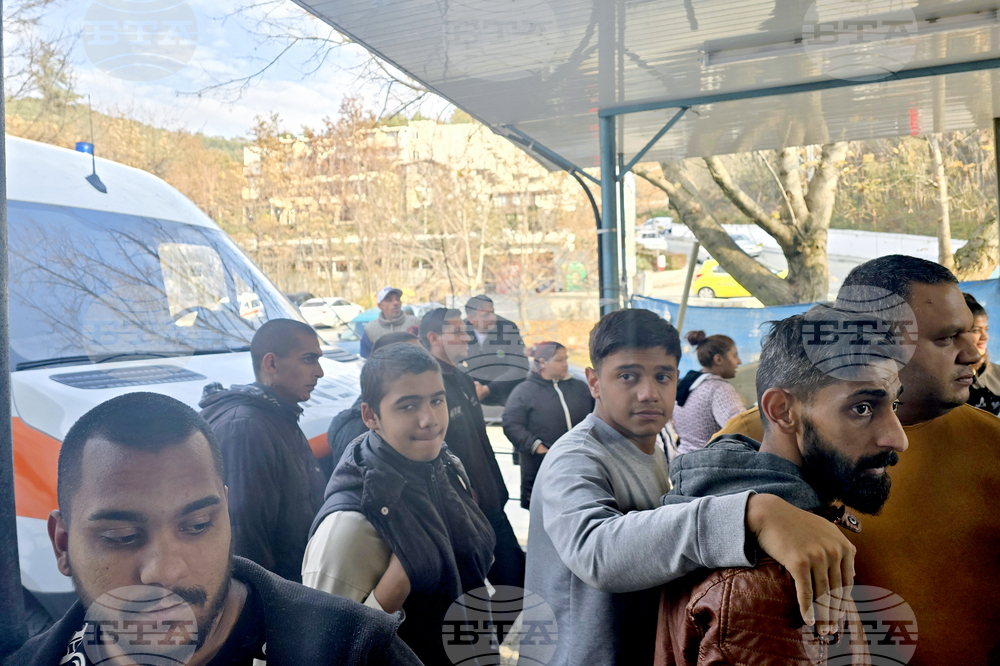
593 381
432 338
369 417
717 359
780 408
269 362
59 536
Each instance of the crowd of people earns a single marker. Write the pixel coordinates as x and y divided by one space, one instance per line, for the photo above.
738 545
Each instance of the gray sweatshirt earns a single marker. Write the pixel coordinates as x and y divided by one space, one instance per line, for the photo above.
600 543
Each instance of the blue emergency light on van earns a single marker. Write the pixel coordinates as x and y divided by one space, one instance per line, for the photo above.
85 147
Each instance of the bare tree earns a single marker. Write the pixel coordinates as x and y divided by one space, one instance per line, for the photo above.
940 182
39 80
799 225
311 44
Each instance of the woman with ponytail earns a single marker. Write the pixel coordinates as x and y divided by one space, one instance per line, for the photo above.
985 390
705 400
542 409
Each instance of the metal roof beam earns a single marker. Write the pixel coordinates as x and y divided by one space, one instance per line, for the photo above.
552 156
811 86
652 142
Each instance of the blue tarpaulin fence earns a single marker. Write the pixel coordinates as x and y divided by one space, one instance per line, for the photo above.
746 326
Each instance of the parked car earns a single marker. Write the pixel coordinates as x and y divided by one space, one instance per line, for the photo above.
679 231
748 245
332 312
298 298
651 239
420 309
358 323
347 340
658 224
712 281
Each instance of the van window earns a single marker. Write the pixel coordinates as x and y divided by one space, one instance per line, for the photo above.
193 277
88 286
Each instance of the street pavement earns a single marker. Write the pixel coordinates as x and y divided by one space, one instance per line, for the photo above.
512 478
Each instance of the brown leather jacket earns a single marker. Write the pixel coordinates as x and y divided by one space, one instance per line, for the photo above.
740 617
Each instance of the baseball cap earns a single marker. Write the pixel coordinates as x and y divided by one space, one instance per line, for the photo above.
385 291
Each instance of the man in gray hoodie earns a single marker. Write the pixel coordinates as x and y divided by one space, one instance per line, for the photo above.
828 405
600 543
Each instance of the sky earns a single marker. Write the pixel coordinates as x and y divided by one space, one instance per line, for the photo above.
224 48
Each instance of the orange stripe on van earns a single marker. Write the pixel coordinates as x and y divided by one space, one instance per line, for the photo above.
319 445
36 469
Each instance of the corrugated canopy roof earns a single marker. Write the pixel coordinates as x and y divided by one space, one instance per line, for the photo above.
545 67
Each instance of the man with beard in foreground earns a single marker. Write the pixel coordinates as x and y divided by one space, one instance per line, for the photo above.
937 543
831 433
143 530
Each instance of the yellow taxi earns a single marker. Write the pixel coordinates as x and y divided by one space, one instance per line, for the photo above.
712 281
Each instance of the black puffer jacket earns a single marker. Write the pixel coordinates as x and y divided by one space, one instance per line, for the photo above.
537 410
275 484
345 427
467 439
426 515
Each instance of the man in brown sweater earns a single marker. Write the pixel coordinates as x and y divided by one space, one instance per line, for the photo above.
937 542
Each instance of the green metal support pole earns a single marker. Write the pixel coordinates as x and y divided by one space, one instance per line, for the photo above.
610 293
607 235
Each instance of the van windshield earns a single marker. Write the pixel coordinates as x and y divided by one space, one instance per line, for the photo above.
88 286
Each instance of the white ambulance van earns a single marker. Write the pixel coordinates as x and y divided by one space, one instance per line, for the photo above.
134 289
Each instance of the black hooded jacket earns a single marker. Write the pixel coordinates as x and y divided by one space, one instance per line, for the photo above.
275 484
535 411
427 517
345 427
300 626
467 439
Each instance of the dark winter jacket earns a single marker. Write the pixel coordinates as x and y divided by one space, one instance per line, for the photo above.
275 484
500 362
301 626
467 439
539 410
345 427
985 390
427 517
